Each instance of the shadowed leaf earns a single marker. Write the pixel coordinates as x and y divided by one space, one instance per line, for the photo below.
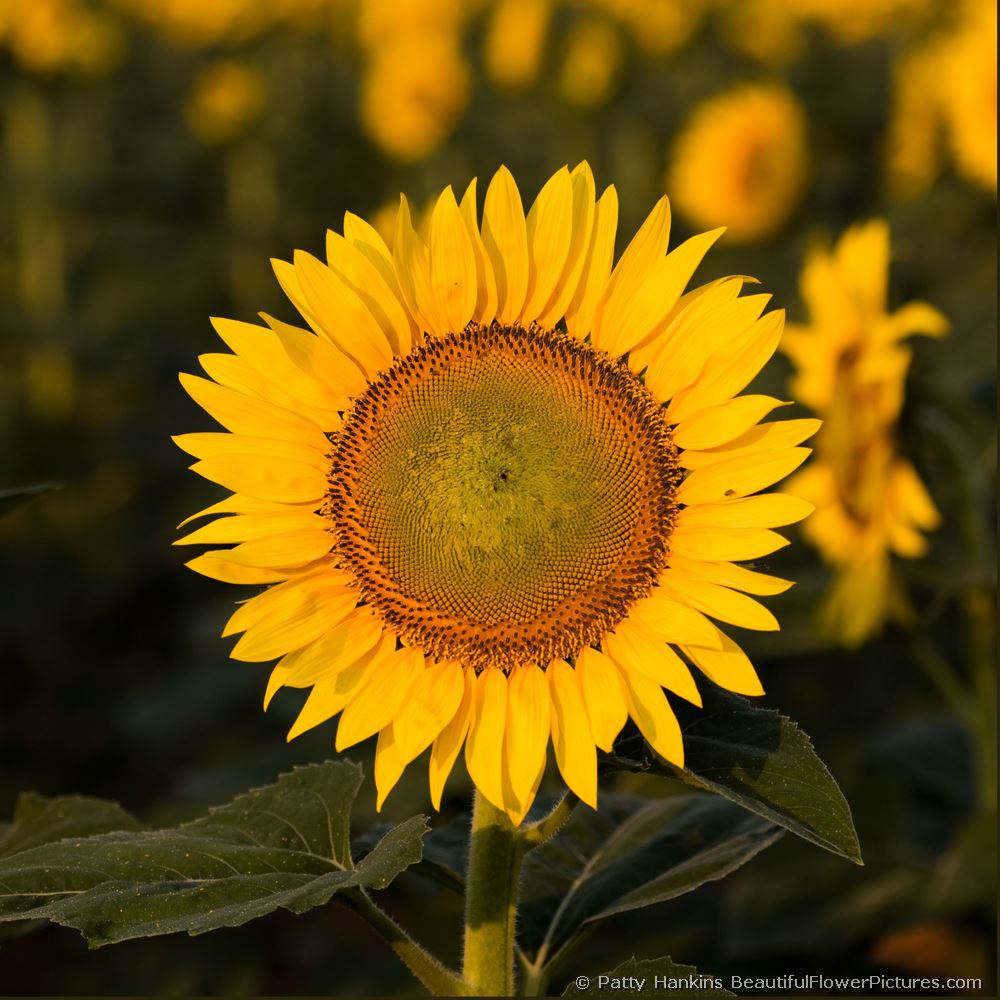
286 845
758 759
631 853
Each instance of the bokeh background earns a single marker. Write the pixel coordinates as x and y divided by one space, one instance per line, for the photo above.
157 153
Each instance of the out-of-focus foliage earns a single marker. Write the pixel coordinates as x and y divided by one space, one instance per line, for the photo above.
158 152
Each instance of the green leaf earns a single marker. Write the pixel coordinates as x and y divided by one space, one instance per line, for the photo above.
631 853
17 496
761 761
445 856
286 845
40 820
654 977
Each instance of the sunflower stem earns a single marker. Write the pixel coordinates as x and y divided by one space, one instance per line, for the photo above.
495 854
434 975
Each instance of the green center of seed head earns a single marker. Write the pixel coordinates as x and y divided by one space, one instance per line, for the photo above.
498 478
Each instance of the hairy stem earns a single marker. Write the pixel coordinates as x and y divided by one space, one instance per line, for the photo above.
435 976
495 855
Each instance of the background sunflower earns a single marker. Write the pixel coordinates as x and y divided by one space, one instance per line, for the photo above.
159 152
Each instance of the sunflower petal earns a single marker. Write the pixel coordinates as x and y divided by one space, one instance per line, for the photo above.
576 755
604 696
505 236
526 737
635 649
596 267
549 229
484 744
380 698
651 712
448 743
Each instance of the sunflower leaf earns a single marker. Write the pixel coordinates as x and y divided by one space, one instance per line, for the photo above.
653 977
41 820
283 846
633 852
758 759
17 496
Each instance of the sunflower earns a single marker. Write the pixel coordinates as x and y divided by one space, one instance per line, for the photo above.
742 161
478 522
851 369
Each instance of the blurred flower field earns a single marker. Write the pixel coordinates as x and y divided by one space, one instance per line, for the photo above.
159 153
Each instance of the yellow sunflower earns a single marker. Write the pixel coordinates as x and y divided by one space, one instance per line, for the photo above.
851 369
479 523
742 161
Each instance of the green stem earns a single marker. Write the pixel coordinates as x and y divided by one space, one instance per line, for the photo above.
550 825
439 980
495 854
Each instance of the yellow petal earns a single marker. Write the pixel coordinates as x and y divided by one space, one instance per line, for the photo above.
644 313
596 267
505 237
430 706
452 263
315 613
380 698
731 370
449 742
367 240
631 647
671 621
740 476
243 414
770 437
720 602
284 601
728 667
728 544
343 315
264 349
315 355
728 575
236 504
715 425
360 274
484 745
216 566
208 444
604 696
576 755
527 734
582 225
549 230
330 696
413 271
689 313
647 248
284 479
389 764
915 317
345 643
769 510
245 527
486 282
912 498
649 708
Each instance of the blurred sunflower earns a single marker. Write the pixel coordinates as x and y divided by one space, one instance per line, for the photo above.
478 524
947 90
968 88
851 369
226 98
742 161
